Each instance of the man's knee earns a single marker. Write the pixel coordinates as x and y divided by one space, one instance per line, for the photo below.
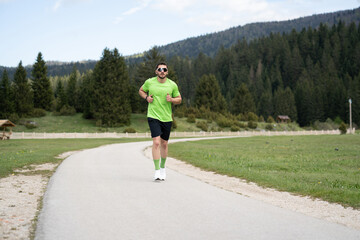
164 143
156 143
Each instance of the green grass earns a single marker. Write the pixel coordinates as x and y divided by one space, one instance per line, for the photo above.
16 154
305 165
75 123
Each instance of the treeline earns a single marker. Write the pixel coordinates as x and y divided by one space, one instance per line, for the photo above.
308 75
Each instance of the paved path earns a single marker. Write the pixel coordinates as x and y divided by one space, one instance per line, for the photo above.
108 193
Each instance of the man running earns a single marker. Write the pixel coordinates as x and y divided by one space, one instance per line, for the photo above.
160 92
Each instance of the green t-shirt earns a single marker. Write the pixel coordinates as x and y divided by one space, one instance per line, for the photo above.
160 108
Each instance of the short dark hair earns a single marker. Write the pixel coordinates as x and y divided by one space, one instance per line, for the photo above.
160 63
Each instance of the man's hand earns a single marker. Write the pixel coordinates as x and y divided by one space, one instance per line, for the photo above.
168 98
149 99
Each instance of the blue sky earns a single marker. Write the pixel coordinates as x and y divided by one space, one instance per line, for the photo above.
75 30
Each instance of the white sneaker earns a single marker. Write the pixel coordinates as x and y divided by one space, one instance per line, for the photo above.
157 175
162 174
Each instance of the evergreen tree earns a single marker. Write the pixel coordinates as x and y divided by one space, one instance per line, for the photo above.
6 101
208 94
265 107
23 96
87 100
71 90
111 90
42 91
284 103
354 95
145 71
61 98
243 101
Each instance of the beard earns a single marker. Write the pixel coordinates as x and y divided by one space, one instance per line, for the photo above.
162 77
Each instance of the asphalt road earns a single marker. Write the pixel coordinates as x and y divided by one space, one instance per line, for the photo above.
108 193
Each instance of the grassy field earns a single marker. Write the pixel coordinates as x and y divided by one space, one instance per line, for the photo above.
20 153
326 167
60 124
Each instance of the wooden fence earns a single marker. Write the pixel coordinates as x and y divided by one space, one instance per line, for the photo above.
33 135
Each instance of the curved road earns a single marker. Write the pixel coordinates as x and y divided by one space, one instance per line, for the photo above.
108 193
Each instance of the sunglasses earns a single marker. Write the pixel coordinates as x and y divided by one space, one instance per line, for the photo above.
162 69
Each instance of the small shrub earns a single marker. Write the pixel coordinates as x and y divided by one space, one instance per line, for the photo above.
241 117
252 124
38 112
67 111
261 119
98 123
338 120
342 128
269 127
234 128
202 125
270 119
30 124
223 122
252 117
191 118
129 130
241 124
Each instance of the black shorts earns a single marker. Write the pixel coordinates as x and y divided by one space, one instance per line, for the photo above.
159 128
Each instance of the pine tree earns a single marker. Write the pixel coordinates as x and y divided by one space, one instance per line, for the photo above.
208 94
111 90
284 103
43 95
71 89
6 103
87 100
265 107
61 99
243 101
145 71
23 96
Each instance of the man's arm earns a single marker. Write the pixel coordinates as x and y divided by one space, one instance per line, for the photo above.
144 95
175 100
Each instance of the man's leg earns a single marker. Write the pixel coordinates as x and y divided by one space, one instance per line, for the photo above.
163 154
156 152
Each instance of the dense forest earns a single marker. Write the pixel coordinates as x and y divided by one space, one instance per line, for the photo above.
309 75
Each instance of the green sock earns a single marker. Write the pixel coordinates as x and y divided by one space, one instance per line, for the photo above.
157 164
162 164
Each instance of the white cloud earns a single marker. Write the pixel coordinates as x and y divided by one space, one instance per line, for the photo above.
61 3
143 4
220 14
174 5
57 5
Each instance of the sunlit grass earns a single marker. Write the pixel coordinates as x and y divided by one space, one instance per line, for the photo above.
326 167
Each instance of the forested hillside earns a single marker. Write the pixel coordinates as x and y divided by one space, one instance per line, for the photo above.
307 74
209 44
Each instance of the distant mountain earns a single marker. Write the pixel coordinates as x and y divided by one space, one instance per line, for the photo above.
55 68
210 43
